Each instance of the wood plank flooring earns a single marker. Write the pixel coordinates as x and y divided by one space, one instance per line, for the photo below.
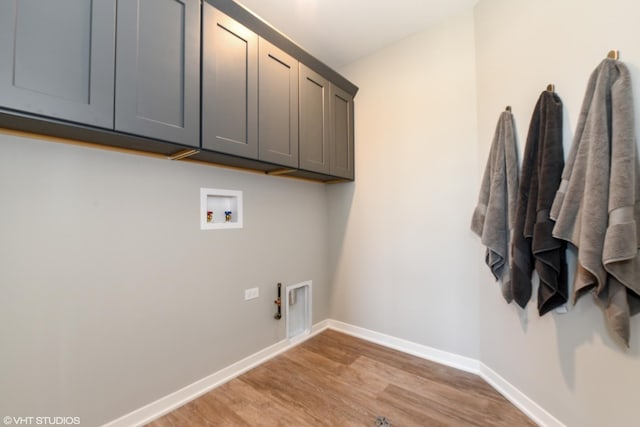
337 380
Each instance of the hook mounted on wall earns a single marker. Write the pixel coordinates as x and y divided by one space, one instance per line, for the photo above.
551 87
508 108
614 54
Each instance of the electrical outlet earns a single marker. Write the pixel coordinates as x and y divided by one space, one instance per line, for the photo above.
251 293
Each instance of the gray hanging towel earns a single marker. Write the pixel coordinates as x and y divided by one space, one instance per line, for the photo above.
597 207
533 243
493 217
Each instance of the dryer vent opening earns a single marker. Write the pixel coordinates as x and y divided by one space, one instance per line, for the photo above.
297 307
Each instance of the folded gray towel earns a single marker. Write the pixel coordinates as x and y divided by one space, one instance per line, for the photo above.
597 207
533 243
493 217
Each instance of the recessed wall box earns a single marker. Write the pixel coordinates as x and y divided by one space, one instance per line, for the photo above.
220 209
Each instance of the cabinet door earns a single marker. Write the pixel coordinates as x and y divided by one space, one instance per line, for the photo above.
341 133
57 58
158 69
229 85
278 106
314 121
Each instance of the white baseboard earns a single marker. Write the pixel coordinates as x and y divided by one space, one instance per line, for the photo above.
520 400
174 400
166 404
425 352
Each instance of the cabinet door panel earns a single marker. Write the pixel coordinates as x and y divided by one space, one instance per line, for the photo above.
314 121
342 133
278 106
158 69
57 59
229 84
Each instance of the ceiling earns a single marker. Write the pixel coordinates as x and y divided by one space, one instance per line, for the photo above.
338 32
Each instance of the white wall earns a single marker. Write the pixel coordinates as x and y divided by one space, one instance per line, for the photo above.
110 294
402 254
567 363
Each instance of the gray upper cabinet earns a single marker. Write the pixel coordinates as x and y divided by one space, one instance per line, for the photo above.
158 69
164 75
229 85
314 121
57 59
277 106
342 133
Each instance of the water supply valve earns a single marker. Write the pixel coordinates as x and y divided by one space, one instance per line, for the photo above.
278 303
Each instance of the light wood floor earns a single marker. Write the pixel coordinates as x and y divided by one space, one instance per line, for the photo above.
338 380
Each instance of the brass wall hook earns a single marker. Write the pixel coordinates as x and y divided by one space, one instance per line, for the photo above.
508 108
551 87
614 54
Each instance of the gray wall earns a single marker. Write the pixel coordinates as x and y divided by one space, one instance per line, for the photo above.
567 363
403 258
404 261
110 294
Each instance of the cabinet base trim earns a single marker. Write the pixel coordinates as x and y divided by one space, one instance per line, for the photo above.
183 154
